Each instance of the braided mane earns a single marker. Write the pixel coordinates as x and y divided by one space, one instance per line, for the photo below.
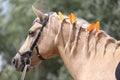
90 39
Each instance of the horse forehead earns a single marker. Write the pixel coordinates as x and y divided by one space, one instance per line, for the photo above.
35 26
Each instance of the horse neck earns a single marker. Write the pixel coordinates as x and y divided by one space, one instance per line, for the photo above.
68 56
89 45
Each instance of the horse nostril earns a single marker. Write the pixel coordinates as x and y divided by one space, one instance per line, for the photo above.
13 61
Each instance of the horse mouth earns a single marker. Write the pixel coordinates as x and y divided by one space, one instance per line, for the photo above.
20 67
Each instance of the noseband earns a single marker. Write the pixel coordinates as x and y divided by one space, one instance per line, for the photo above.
25 56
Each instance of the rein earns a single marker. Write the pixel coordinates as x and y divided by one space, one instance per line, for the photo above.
26 56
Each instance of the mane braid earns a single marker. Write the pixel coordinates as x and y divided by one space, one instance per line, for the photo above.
60 26
53 24
86 44
108 41
76 39
49 24
89 44
69 39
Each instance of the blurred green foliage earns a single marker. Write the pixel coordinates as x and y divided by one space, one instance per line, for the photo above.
16 17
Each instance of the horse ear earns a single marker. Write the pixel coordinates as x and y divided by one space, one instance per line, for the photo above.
38 13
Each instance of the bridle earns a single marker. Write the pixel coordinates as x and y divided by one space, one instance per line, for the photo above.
26 56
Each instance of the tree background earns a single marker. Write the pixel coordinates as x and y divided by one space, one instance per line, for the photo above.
16 17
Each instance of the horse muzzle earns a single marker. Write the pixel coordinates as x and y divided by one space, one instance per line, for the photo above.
20 65
21 61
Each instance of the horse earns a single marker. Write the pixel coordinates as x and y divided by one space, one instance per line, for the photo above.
87 55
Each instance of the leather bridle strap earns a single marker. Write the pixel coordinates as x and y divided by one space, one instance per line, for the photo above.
36 40
38 54
39 34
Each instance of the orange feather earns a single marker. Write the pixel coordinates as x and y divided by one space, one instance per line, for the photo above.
70 17
73 17
97 25
60 15
91 27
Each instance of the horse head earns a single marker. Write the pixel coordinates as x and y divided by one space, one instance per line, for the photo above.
39 44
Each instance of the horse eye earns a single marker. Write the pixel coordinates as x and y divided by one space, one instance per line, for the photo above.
31 33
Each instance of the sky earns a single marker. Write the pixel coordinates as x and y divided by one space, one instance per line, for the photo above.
4 5
0 63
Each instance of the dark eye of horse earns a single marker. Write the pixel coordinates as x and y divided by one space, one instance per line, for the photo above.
31 33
